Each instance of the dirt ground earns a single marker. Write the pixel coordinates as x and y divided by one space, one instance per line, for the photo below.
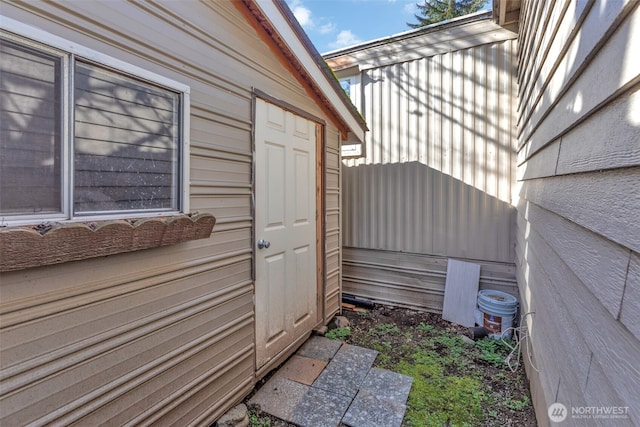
503 395
456 381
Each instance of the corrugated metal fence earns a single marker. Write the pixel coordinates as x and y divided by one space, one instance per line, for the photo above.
438 170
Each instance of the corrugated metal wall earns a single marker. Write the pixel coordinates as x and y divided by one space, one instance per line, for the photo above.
438 169
163 336
578 251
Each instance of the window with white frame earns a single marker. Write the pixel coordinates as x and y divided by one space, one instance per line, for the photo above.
84 136
351 85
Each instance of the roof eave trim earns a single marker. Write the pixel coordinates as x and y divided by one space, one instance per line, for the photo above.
454 22
282 27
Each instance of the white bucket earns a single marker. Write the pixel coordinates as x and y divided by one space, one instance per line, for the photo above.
499 309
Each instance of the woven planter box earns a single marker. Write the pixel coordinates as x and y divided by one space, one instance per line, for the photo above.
27 247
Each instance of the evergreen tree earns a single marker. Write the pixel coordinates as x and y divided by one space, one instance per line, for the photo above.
433 11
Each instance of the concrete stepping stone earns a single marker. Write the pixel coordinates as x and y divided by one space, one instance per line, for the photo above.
381 400
319 408
387 384
346 371
302 369
312 392
279 397
320 348
369 410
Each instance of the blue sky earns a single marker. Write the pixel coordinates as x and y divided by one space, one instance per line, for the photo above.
334 24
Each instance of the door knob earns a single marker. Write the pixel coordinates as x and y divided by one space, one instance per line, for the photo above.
263 244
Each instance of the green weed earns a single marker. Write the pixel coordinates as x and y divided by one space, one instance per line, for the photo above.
384 360
338 334
381 346
423 327
493 351
517 404
384 329
256 421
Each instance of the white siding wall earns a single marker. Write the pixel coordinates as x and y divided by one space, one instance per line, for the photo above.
579 167
439 159
439 167
163 336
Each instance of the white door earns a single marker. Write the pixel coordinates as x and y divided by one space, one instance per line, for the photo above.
285 233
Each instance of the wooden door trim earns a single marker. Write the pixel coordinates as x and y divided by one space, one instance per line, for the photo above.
320 203
257 93
321 223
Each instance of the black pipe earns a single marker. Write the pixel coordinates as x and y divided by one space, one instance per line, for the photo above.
360 302
477 332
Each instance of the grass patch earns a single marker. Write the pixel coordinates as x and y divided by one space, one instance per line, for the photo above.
438 399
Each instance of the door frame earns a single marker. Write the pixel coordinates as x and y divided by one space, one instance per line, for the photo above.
321 270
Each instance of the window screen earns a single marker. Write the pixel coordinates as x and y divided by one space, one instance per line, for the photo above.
79 138
30 130
126 143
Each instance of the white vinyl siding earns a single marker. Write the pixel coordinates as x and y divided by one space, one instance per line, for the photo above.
438 170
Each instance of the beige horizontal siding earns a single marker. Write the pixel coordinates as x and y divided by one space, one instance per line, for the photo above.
333 243
164 336
579 171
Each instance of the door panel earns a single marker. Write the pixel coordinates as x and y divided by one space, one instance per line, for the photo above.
285 209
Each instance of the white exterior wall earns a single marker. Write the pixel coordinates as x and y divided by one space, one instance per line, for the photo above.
438 171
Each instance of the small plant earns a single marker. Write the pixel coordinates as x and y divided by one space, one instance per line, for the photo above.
381 346
362 313
493 351
257 421
384 329
517 404
455 383
338 334
384 360
423 327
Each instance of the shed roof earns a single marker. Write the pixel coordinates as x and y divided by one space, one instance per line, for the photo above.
446 36
284 34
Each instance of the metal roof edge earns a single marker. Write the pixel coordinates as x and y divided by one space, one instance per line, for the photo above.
454 22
